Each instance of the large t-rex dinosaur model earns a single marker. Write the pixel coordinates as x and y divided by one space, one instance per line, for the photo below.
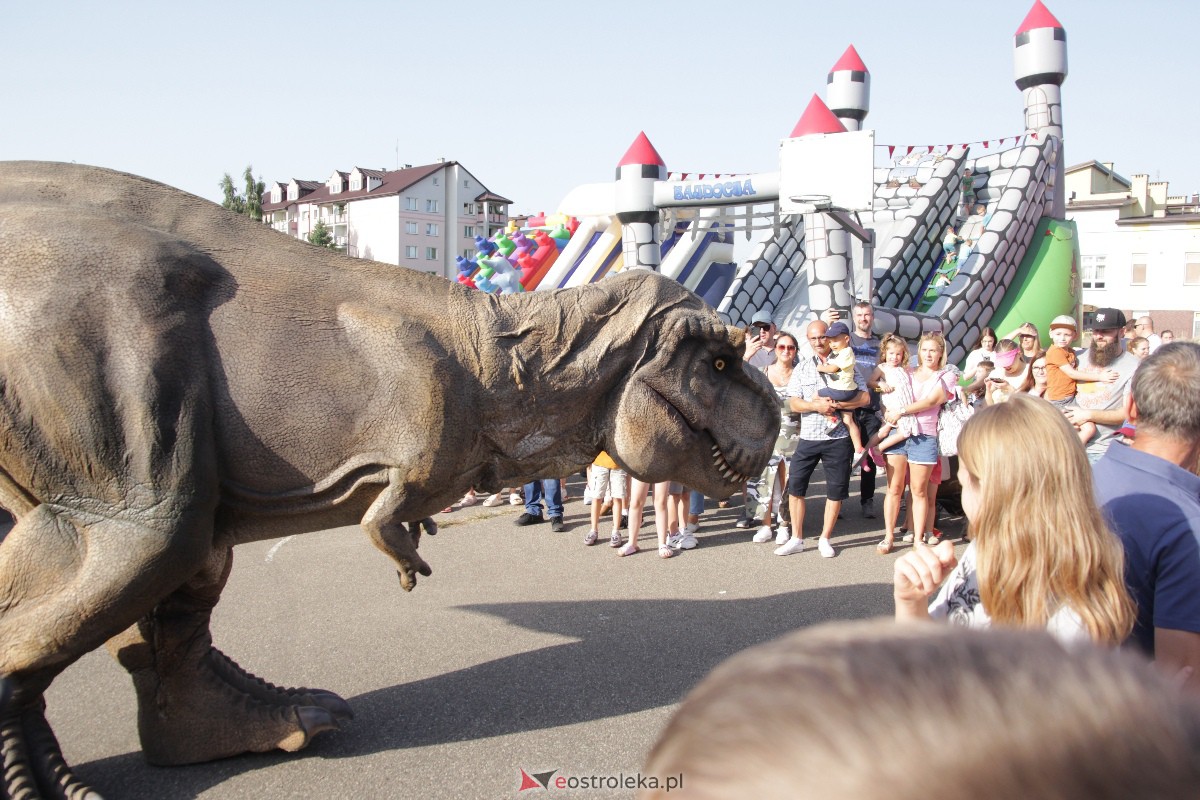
176 379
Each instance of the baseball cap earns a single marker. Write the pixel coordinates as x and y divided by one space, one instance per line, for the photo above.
837 329
1107 319
761 318
1063 321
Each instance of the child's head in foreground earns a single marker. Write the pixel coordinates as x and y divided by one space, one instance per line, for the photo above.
883 711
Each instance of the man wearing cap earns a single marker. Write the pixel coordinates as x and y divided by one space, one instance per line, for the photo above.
760 340
1151 497
1101 402
820 442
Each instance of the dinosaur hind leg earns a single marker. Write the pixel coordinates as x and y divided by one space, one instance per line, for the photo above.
194 702
68 580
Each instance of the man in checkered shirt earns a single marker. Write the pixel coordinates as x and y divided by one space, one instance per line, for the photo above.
821 441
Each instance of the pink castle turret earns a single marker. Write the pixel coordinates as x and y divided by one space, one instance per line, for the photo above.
1040 67
637 171
848 90
817 118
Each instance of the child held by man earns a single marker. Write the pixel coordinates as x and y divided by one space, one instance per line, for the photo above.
842 386
1062 375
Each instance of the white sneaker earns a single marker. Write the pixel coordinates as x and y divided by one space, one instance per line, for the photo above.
825 548
789 547
681 540
764 534
784 534
691 527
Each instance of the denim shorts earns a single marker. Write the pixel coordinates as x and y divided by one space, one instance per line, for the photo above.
921 448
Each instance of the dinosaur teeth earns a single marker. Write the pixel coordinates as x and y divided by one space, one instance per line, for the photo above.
723 466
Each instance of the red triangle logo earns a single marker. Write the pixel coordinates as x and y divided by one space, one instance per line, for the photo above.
1038 17
641 152
528 782
817 118
850 60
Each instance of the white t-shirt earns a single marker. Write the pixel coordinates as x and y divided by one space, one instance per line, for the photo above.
958 603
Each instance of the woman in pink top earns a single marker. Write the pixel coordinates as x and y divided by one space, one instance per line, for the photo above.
932 387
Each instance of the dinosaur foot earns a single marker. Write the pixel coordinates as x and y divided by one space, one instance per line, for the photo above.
34 768
216 709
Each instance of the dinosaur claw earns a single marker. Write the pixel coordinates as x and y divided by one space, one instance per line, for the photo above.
313 720
335 705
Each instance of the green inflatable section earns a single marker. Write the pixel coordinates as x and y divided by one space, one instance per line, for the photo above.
1047 282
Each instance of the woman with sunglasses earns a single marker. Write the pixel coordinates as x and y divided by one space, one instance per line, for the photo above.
774 477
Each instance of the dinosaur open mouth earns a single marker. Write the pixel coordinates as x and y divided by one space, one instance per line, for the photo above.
722 465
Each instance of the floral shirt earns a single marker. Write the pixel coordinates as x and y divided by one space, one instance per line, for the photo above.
958 603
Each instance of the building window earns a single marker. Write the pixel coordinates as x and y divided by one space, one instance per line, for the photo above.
468 231
469 254
355 184
1137 270
410 204
1191 268
410 227
469 209
431 254
410 251
1196 324
431 206
431 229
436 181
1093 272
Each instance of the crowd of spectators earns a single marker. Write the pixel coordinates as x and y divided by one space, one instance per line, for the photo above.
1079 476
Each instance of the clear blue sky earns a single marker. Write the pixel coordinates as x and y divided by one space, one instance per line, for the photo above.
535 98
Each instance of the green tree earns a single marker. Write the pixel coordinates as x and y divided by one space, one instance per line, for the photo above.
254 194
249 203
233 201
320 236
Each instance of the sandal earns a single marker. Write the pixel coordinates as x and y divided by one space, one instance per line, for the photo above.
628 550
665 551
884 547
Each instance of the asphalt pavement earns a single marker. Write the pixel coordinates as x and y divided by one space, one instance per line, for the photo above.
524 651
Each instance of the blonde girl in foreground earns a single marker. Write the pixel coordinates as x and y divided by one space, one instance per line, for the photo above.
1041 555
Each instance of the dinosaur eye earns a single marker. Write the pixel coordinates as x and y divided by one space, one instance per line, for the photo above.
719 364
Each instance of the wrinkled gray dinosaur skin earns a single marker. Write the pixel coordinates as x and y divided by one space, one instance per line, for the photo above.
176 379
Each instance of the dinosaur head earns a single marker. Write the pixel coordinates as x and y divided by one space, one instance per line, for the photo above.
690 411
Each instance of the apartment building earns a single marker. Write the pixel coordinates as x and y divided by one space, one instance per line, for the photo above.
1140 246
419 217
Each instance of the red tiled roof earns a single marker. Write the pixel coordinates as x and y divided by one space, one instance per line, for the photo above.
492 197
394 182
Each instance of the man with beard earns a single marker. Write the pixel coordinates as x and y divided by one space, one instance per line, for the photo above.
1098 402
